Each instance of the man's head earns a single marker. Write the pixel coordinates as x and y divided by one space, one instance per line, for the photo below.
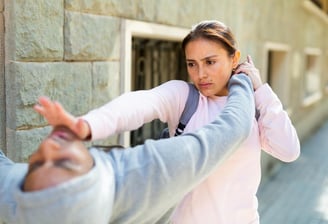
60 157
64 183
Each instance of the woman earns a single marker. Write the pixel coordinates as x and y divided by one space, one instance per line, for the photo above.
228 195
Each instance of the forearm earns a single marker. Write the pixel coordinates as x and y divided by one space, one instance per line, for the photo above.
277 133
131 110
157 175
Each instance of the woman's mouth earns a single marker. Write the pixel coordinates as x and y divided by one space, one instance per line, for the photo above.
205 85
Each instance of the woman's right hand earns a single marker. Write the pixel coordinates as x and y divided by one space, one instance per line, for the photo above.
56 115
249 69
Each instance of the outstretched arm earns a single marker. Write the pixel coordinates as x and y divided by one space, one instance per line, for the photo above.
152 178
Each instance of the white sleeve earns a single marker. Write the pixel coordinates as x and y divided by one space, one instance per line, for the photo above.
133 109
277 133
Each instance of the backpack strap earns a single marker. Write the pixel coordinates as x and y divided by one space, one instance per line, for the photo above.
189 110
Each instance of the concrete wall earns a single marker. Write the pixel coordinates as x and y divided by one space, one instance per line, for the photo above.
70 51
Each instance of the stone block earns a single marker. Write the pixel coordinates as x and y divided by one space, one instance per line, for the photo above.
106 82
22 143
68 83
2 87
35 30
91 37
117 8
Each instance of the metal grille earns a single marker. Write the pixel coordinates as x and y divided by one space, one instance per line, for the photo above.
153 63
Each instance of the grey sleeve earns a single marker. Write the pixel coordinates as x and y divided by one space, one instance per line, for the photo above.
5 164
11 176
154 177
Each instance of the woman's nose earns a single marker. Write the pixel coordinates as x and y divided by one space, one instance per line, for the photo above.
201 72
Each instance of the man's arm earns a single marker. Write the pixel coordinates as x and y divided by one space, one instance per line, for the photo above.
152 178
11 176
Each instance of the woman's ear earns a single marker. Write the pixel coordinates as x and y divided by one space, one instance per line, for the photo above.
235 59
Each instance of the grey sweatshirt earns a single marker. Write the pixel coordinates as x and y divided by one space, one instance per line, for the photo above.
137 185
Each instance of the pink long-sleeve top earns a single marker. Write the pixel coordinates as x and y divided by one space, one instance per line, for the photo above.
228 195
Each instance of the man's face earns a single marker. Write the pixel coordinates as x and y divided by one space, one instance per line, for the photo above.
59 158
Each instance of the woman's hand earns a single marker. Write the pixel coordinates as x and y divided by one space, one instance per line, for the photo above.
56 115
249 69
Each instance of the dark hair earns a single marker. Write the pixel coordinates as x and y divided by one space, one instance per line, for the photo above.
215 31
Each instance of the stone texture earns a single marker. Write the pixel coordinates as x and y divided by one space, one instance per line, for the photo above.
89 37
22 143
2 87
103 7
35 30
105 82
69 83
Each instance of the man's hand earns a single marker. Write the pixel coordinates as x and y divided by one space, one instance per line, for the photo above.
56 115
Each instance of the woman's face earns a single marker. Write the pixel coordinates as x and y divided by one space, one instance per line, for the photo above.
210 66
59 158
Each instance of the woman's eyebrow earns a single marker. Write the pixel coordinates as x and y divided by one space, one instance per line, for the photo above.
203 59
209 57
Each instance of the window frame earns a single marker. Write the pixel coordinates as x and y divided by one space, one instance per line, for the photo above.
278 47
133 28
317 95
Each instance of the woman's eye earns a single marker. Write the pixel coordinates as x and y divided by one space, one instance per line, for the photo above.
190 64
210 62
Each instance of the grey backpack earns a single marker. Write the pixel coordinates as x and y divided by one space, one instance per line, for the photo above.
188 111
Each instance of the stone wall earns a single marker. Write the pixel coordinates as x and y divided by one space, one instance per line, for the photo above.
70 51
2 83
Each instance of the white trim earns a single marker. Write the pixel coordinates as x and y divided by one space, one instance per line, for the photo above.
311 7
309 100
276 46
316 95
154 31
313 51
272 46
132 28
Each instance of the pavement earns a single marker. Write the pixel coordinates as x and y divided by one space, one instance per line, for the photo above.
298 192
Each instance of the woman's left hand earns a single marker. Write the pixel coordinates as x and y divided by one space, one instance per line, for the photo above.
56 115
249 69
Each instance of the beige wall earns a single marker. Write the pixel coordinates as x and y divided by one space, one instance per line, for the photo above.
49 44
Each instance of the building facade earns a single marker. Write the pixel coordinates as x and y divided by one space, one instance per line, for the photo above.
80 52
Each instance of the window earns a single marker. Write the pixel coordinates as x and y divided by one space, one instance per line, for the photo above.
311 84
277 74
154 62
148 52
